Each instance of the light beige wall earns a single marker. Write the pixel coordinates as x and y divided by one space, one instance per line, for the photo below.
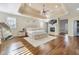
57 28
70 27
24 21
21 22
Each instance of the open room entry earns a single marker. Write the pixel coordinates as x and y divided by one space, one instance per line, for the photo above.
63 27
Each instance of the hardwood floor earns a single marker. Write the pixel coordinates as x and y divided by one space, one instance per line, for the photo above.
0 48
59 46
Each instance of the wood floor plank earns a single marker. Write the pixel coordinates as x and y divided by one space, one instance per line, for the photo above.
54 47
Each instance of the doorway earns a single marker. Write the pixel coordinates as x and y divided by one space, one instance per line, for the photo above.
63 27
76 27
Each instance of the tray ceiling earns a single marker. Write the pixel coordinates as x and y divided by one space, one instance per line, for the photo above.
63 10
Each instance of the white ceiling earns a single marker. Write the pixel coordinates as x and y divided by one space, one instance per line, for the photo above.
9 7
72 10
72 7
53 8
64 10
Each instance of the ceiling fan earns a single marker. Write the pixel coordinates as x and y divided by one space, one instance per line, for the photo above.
44 11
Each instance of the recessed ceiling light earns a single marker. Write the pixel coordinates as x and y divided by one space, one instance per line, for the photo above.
77 9
56 6
29 4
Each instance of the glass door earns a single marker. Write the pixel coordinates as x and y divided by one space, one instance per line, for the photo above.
78 28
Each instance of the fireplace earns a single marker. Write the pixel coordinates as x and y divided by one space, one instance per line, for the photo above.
52 29
52 26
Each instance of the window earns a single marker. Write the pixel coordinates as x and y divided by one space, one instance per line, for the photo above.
11 22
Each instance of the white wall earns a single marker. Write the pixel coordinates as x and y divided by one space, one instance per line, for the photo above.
25 21
56 28
9 7
21 22
70 27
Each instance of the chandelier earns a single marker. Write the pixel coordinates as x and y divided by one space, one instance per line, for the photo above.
44 11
